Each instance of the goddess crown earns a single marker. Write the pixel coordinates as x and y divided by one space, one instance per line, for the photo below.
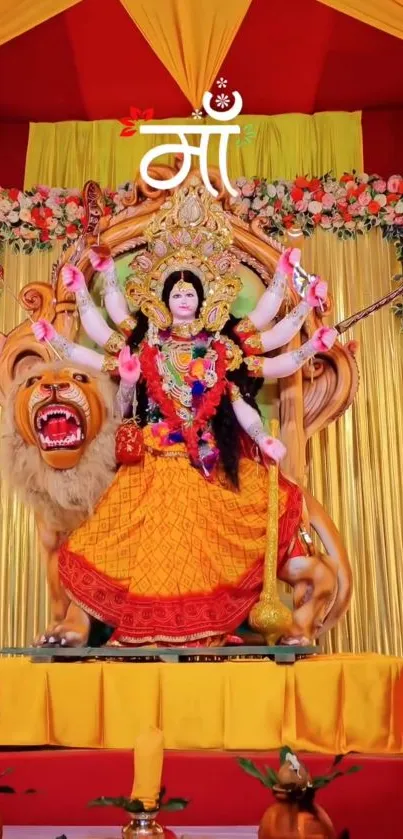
191 232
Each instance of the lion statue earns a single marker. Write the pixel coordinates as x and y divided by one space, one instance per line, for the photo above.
58 453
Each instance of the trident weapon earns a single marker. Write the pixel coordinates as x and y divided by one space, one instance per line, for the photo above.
344 325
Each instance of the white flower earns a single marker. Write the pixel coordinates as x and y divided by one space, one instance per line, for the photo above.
5 205
13 217
315 207
271 190
222 100
221 82
197 114
280 190
398 208
380 197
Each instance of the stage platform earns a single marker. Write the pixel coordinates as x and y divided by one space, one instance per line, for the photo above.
327 704
42 832
369 803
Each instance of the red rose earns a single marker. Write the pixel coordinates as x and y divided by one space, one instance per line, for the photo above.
361 188
13 194
297 194
44 235
71 229
73 199
40 216
401 187
392 198
347 216
317 218
315 184
346 178
278 204
374 207
288 220
318 195
301 183
108 211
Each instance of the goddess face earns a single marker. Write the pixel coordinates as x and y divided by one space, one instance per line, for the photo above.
183 302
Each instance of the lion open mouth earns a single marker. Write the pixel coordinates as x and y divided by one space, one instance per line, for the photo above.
59 427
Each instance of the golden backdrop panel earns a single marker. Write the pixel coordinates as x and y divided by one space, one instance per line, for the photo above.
288 143
23 599
356 465
383 14
190 37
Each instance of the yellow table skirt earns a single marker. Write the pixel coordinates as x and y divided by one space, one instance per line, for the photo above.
328 704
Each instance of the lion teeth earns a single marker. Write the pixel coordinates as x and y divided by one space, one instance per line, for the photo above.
74 437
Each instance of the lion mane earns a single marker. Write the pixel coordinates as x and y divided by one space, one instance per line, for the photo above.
62 498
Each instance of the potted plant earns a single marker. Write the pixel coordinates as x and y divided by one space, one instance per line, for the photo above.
143 821
295 815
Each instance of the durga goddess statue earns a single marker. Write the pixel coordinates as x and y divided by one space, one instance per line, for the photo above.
173 553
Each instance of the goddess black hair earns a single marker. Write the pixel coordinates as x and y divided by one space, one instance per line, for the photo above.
225 426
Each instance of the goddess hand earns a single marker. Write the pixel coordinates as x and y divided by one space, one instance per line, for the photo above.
324 338
101 258
129 367
73 278
288 260
274 449
316 292
43 331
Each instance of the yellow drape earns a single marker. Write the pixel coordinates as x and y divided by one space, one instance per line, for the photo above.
190 37
23 599
234 706
356 465
18 16
384 14
284 146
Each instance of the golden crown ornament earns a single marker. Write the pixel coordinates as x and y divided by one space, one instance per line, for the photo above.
191 232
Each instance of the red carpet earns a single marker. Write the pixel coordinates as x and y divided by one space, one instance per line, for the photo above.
369 803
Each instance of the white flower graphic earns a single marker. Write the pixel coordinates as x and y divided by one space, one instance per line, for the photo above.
222 100
221 82
197 114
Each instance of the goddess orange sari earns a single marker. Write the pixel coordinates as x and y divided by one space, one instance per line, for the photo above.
170 557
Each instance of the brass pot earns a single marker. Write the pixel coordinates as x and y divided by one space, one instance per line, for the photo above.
142 825
286 820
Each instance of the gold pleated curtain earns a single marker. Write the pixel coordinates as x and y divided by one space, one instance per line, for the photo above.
23 597
283 146
355 466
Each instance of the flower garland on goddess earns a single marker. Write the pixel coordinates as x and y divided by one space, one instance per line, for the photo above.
174 551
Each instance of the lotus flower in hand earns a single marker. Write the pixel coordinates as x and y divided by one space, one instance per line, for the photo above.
43 331
73 278
129 367
324 338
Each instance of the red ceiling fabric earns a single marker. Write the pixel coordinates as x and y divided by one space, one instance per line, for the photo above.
91 62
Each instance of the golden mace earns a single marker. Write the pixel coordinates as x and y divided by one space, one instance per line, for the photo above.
270 617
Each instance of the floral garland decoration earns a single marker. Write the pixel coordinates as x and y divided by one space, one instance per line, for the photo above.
351 206
208 403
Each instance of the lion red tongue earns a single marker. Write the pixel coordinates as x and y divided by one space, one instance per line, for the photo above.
58 428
